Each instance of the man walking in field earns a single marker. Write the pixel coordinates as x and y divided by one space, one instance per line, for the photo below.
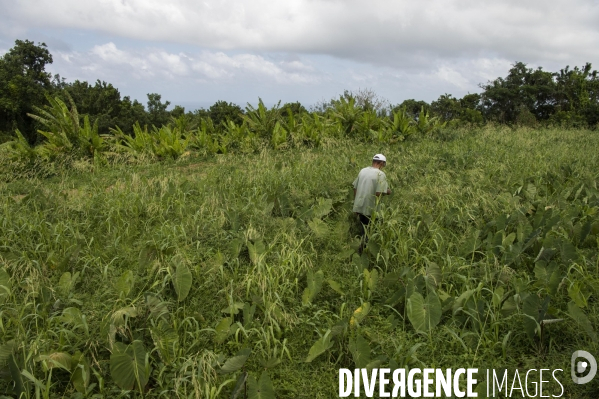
370 184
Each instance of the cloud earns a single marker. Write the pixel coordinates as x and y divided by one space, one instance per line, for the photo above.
303 49
398 33
109 62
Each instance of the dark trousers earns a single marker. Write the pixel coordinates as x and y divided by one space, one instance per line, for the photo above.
364 222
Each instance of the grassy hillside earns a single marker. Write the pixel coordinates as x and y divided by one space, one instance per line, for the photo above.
161 276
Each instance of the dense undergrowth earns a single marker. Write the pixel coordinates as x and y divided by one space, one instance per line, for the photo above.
216 274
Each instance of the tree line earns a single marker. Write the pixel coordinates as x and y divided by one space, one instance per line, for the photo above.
526 96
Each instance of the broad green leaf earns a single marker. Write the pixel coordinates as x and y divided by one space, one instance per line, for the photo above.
57 359
360 351
256 251
222 330
64 284
371 278
424 314
335 286
315 281
471 244
74 317
156 307
576 294
320 346
568 252
166 341
128 366
508 240
5 286
235 246
318 227
432 276
239 386
120 316
182 281
322 208
373 248
20 387
261 389
509 307
548 276
498 296
270 362
233 308
534 312
461 300
81 372
6 350
125 283
361 262
511 254
584 232
236 362
359 315
248 313
339 328
582 320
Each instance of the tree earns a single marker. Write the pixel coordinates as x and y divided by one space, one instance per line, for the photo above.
221 111
412 107
178 111
102 102
577 96
446 107
24 83
466 109
130 113
523 89
158 115
295 108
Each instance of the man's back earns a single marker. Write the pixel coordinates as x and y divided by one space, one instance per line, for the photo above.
370 181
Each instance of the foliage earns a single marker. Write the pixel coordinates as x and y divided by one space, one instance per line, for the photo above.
102 102
65 132
212 276
24 84
263 121
222 112
568 97
157 114
168 141
412 107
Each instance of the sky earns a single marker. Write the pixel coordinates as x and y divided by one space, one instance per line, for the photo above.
195 53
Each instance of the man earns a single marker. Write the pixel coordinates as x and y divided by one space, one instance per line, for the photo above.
370 184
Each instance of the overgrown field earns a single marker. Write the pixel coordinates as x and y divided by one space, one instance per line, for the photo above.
177 278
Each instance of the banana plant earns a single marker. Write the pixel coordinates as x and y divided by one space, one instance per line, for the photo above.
64 131
402 124
427 124
347 114
261 120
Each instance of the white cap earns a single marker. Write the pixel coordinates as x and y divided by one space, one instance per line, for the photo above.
379 157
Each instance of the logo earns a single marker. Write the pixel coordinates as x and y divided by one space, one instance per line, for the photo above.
581 367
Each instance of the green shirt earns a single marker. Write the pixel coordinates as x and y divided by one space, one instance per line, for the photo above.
370 181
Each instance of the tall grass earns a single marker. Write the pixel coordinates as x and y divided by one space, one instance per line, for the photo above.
96 260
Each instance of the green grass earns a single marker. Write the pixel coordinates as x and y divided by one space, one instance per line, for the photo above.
246 226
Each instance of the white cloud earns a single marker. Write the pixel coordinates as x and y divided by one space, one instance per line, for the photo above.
304 49
107 61
384 32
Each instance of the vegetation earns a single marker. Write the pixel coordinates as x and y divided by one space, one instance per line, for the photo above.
525 97
214 253
204 276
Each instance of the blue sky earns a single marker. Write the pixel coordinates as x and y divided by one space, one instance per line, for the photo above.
197 52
